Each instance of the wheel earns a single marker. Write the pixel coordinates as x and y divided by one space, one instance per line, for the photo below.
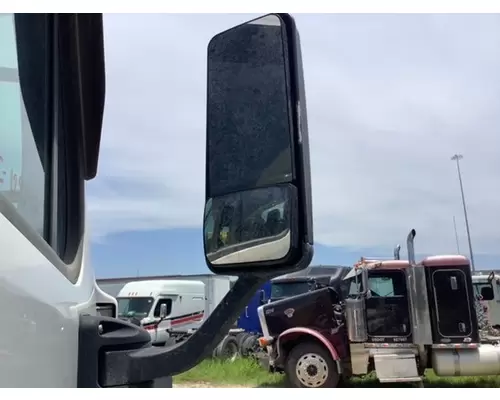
240 339
310 365
249 346
227 348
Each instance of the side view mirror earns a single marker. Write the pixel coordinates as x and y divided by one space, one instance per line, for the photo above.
262 297
258 211
163 311
487 293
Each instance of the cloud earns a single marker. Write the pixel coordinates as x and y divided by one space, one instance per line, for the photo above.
390 99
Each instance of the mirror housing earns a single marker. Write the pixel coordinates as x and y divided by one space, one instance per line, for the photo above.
258 208
262 297
163 311
487 293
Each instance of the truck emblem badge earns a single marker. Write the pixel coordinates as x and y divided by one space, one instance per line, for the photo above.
289 312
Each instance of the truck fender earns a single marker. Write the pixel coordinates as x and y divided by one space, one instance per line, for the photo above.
294 333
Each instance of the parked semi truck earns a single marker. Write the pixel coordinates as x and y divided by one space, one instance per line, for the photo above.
184 303
394 317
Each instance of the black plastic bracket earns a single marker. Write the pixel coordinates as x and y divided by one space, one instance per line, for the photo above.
99 335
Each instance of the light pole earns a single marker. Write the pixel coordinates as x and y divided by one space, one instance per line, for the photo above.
456 235
457 158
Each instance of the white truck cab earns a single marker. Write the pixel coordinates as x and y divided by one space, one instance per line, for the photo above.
487 288
184 301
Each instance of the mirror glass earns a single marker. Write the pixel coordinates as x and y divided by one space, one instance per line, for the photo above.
248 226
248 122
163 311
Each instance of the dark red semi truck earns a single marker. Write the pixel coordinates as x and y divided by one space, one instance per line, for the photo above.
394 317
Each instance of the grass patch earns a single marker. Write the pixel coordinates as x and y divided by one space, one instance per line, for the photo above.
247 372
242 371
431 381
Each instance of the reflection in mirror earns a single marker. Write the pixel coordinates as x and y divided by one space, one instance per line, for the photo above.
248 121
248 226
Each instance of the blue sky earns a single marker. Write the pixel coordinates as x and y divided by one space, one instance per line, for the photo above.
390 99
180 251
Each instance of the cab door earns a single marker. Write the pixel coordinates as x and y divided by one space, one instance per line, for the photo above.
387 307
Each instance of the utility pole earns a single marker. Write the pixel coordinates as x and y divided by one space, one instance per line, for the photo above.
457 158
456 234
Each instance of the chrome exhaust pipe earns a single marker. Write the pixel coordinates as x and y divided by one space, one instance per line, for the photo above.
397 250
410 246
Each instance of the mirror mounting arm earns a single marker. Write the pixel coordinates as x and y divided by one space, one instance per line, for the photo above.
149 363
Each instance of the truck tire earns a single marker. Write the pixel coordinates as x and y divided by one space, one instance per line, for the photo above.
240 338
249 345
310 365
227 348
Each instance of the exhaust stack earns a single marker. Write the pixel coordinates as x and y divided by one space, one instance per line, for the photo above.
410 246
397 250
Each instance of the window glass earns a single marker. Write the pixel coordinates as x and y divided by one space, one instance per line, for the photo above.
138 307
383 286
387 283
289 289
22 173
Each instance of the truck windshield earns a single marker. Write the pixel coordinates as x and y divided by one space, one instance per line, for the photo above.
288 289
138 307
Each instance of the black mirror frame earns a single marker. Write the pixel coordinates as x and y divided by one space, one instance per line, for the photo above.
301 251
